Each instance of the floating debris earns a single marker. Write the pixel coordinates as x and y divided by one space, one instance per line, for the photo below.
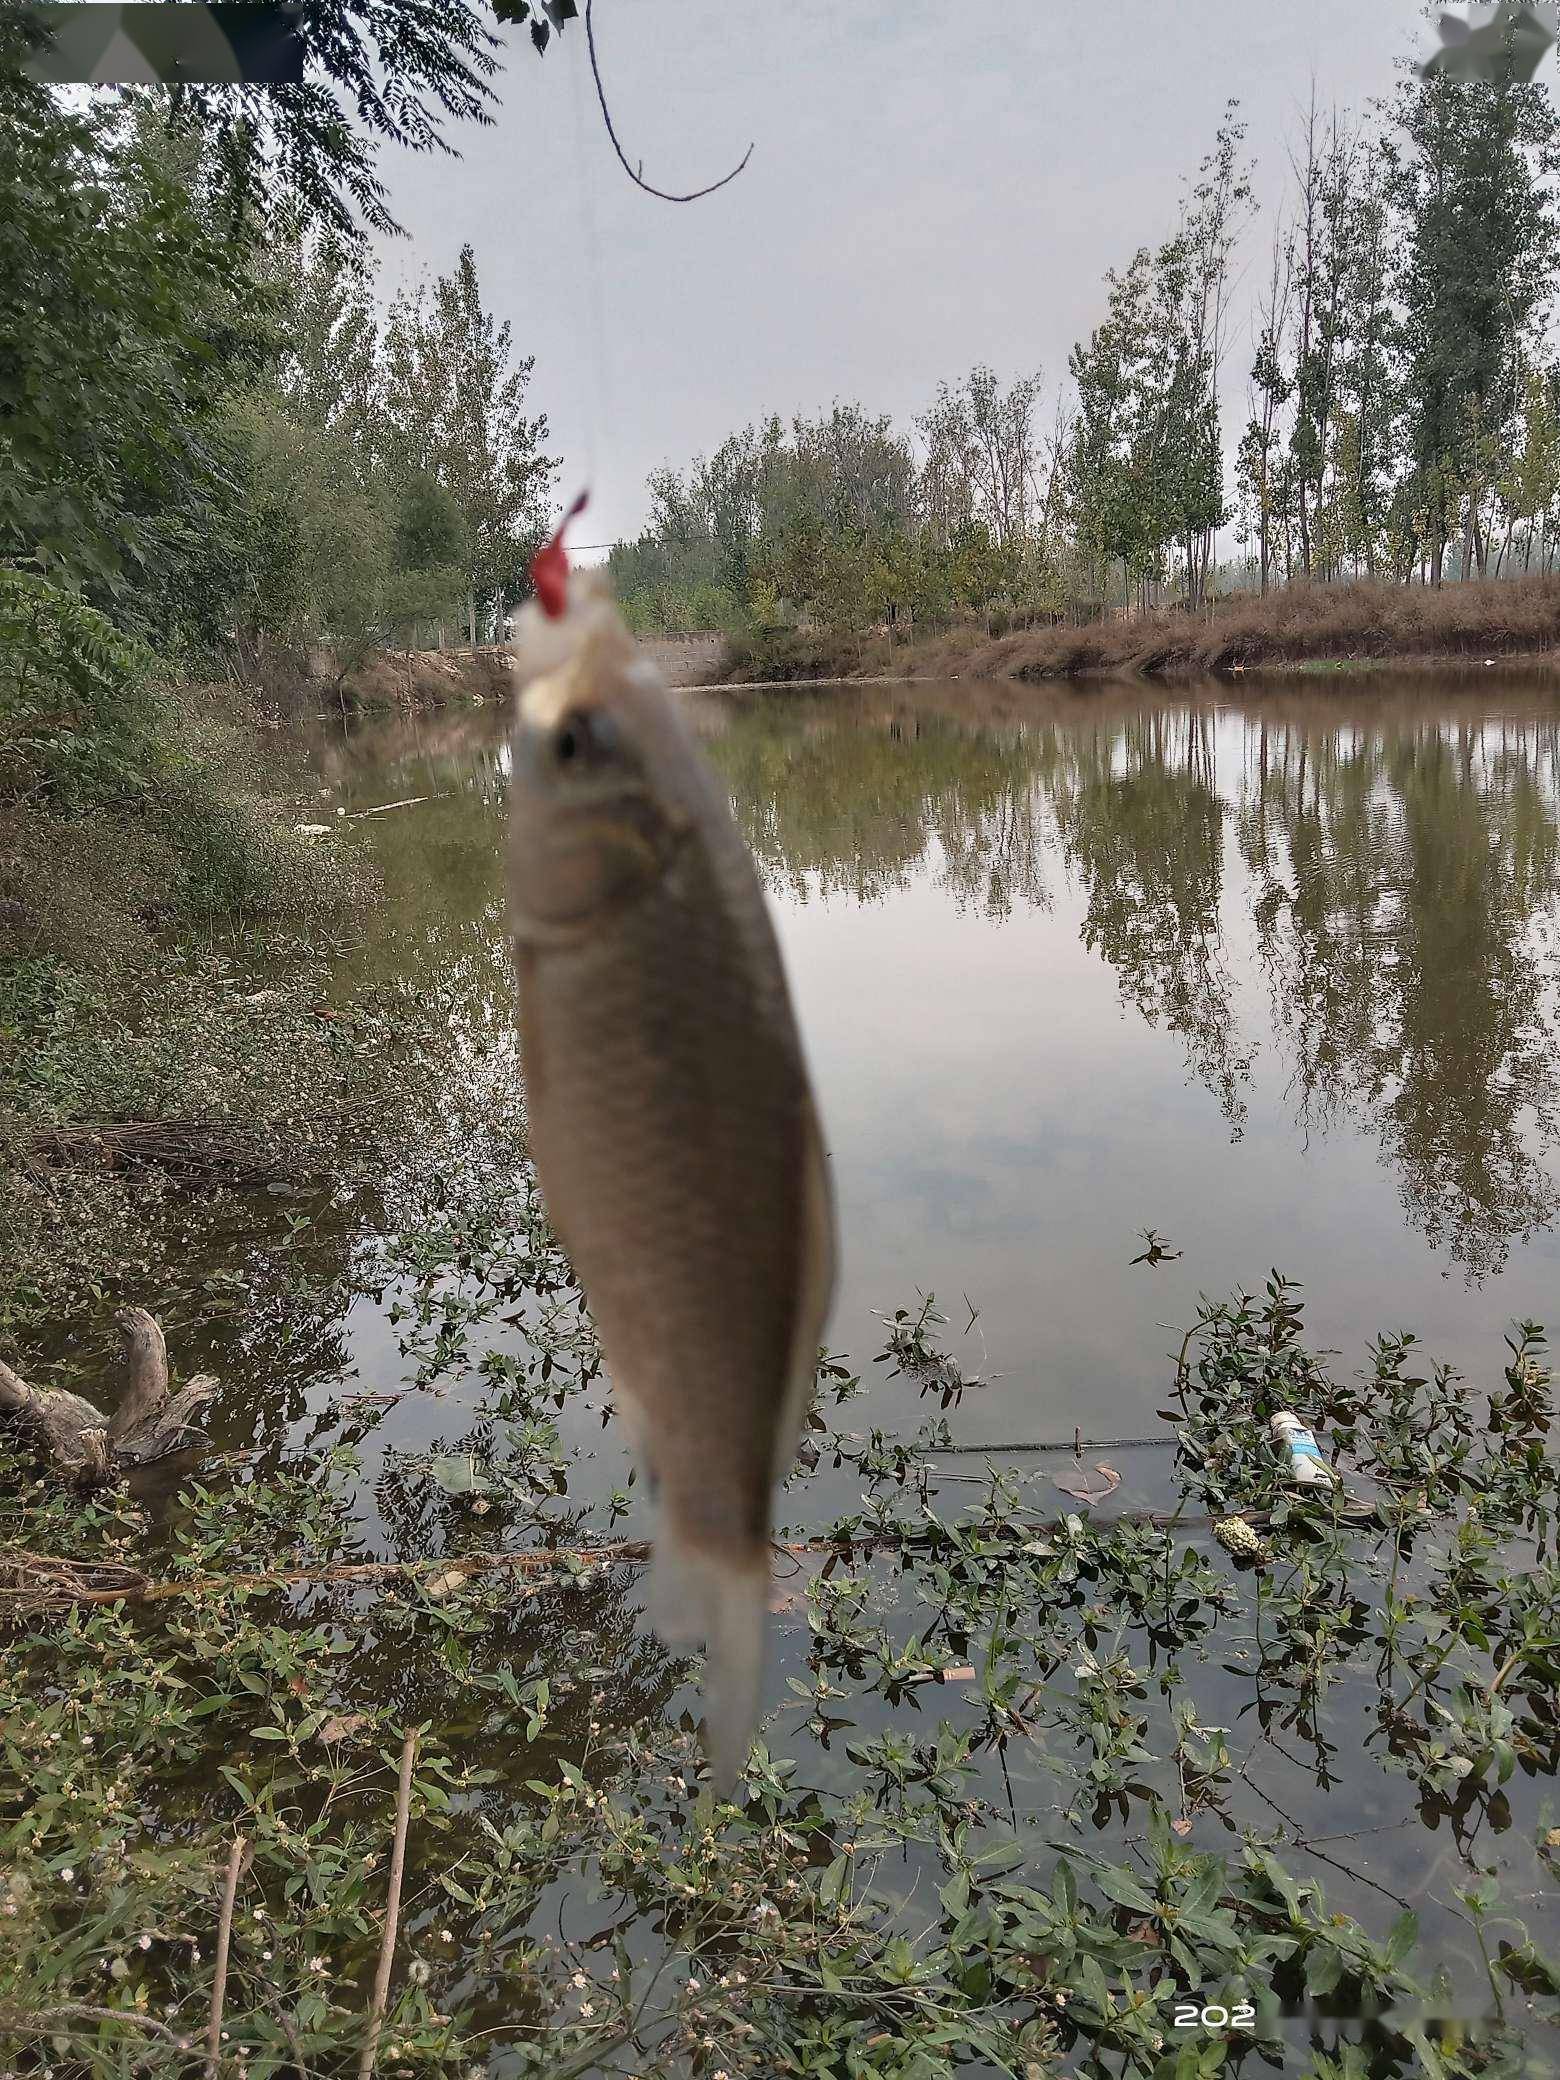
1306 1463
408 801
1237 1537
1158 1250
1089 1483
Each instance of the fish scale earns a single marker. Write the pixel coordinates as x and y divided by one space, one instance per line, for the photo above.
695 1296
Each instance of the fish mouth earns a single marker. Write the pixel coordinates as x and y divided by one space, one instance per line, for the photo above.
573 681
544 703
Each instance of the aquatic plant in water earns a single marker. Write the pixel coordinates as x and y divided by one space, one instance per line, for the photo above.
1042 1787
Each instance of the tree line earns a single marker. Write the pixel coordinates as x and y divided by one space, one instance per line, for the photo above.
215 429
1402 416
216 432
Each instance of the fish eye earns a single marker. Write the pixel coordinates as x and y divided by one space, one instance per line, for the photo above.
580 737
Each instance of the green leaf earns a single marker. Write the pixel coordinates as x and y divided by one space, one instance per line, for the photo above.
1404 1935
459 1474
1122 1887
1323 1969
1429 2055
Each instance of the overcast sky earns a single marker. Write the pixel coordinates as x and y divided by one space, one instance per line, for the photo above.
933 183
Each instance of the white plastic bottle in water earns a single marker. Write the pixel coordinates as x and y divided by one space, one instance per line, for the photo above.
1306 1463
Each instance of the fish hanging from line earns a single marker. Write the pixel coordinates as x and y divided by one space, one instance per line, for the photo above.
1496 42
670 1115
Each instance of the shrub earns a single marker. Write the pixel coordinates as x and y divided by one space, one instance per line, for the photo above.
139 791
78 724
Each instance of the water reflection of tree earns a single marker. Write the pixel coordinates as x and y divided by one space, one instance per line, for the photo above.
1403 880
1407 886
861 801
1402 884
1142 825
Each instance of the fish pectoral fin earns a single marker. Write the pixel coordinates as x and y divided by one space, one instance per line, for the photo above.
719 1600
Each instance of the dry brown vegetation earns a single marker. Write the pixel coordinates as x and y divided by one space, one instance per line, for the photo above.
429 678
283 680
1301 625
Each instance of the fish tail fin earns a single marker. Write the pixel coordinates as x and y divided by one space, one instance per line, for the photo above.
719 1598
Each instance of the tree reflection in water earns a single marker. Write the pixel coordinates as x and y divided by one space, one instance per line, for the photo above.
1408 878
1395 871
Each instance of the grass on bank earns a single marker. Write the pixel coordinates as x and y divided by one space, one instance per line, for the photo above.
143 827
1299 625
128 802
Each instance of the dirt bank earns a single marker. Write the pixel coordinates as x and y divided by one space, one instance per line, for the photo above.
439 679
428 678
1303 627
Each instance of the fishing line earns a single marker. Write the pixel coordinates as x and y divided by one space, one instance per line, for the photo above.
590 301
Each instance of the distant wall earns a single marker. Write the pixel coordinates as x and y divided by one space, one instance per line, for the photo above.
685 660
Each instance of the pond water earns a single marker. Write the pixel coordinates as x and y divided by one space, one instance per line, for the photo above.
1273 975
1270 974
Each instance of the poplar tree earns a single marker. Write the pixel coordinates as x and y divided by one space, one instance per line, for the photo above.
982 461
328 373
454 409
1471 180
1258 464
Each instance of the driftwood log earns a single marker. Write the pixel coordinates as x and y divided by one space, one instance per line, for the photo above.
150 1421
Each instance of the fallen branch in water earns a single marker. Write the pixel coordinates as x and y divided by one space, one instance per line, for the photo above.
1077 1445
243 1151
408 801
72 1434
67 1581
86 1447
41 1578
